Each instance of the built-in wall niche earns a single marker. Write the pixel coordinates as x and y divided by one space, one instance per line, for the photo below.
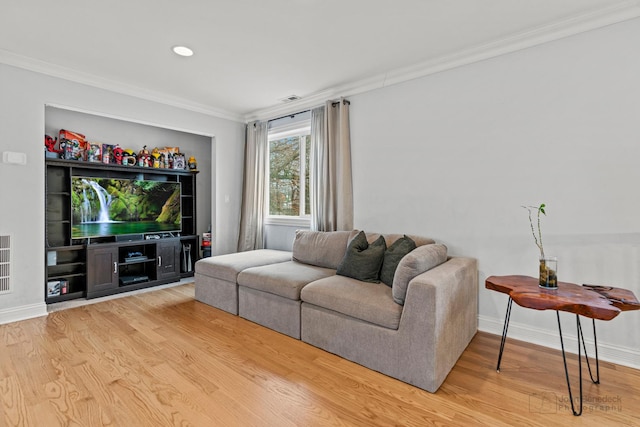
135 135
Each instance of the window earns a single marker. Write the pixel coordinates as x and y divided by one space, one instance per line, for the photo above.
289 153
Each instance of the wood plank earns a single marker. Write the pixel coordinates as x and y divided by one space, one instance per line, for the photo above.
162 358
569 297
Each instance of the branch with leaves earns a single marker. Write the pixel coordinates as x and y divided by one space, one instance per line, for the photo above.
538 239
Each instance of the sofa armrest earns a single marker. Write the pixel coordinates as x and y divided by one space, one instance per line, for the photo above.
441 308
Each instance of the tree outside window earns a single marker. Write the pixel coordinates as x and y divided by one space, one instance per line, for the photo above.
289 175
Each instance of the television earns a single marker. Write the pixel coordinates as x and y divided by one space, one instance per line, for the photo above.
105 207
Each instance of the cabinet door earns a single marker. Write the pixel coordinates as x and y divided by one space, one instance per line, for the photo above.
102 269
168 260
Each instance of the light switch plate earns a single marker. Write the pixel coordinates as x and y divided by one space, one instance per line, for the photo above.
14 158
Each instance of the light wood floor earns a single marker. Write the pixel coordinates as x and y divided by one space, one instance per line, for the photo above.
164 359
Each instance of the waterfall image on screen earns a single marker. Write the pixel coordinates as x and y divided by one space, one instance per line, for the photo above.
110 206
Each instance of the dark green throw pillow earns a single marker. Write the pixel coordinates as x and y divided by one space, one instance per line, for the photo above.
392 257
362 260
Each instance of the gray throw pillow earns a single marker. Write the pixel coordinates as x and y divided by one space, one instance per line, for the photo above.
362 260
421 259
392 257
320 248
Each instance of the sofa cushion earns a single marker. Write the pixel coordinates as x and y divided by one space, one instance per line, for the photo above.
321 248
284 279
369 302
227 267
421 259
362 260
392 257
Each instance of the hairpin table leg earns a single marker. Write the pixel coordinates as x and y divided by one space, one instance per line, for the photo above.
564 359
595 344
504 332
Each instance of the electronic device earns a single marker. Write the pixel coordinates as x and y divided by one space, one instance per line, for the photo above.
186 258
132 280
129 237
135 256
106 207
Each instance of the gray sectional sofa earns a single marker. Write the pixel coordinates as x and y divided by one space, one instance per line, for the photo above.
414 328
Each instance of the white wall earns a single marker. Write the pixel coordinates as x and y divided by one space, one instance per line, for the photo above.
454 155
281 237
22 127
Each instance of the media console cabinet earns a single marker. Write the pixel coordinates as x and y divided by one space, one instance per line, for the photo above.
94 267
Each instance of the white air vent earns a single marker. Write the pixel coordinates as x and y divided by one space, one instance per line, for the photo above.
290 98
5 264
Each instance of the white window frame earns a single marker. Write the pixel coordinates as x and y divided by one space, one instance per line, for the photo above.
280 132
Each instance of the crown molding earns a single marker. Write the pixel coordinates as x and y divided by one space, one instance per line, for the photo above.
619 12
65 73
599 18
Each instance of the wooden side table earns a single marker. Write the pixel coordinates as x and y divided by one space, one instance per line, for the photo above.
594 302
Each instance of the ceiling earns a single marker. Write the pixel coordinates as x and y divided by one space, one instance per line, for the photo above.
249 54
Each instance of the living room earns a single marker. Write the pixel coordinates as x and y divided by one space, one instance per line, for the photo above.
452 155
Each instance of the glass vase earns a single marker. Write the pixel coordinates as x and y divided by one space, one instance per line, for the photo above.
549 273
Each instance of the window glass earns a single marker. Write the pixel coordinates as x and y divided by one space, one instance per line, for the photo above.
289 157
284 176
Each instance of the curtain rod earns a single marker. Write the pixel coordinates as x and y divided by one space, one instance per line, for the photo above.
288 115
333 104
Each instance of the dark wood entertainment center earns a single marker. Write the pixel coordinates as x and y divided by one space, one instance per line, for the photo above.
94 267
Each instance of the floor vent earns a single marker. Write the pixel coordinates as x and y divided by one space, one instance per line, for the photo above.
5 264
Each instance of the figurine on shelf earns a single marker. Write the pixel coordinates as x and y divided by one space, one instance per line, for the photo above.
193 165
130 158
118 154
72 145
107 153
94 152
178 161
50 144
156 159
144 157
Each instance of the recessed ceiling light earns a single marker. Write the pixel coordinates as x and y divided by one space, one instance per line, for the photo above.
182 50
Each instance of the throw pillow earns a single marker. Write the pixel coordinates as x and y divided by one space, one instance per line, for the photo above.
362 260
421 259
320 248
392 257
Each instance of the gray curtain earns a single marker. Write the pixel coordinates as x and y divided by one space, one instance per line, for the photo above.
331 183
254 187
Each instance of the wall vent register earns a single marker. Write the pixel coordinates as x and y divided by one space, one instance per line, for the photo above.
5 264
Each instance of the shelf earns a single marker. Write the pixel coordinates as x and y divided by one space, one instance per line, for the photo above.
141 261
65 297
104 166
65 263
66 248
64 276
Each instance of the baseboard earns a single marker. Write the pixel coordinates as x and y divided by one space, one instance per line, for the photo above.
625 356
23 312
